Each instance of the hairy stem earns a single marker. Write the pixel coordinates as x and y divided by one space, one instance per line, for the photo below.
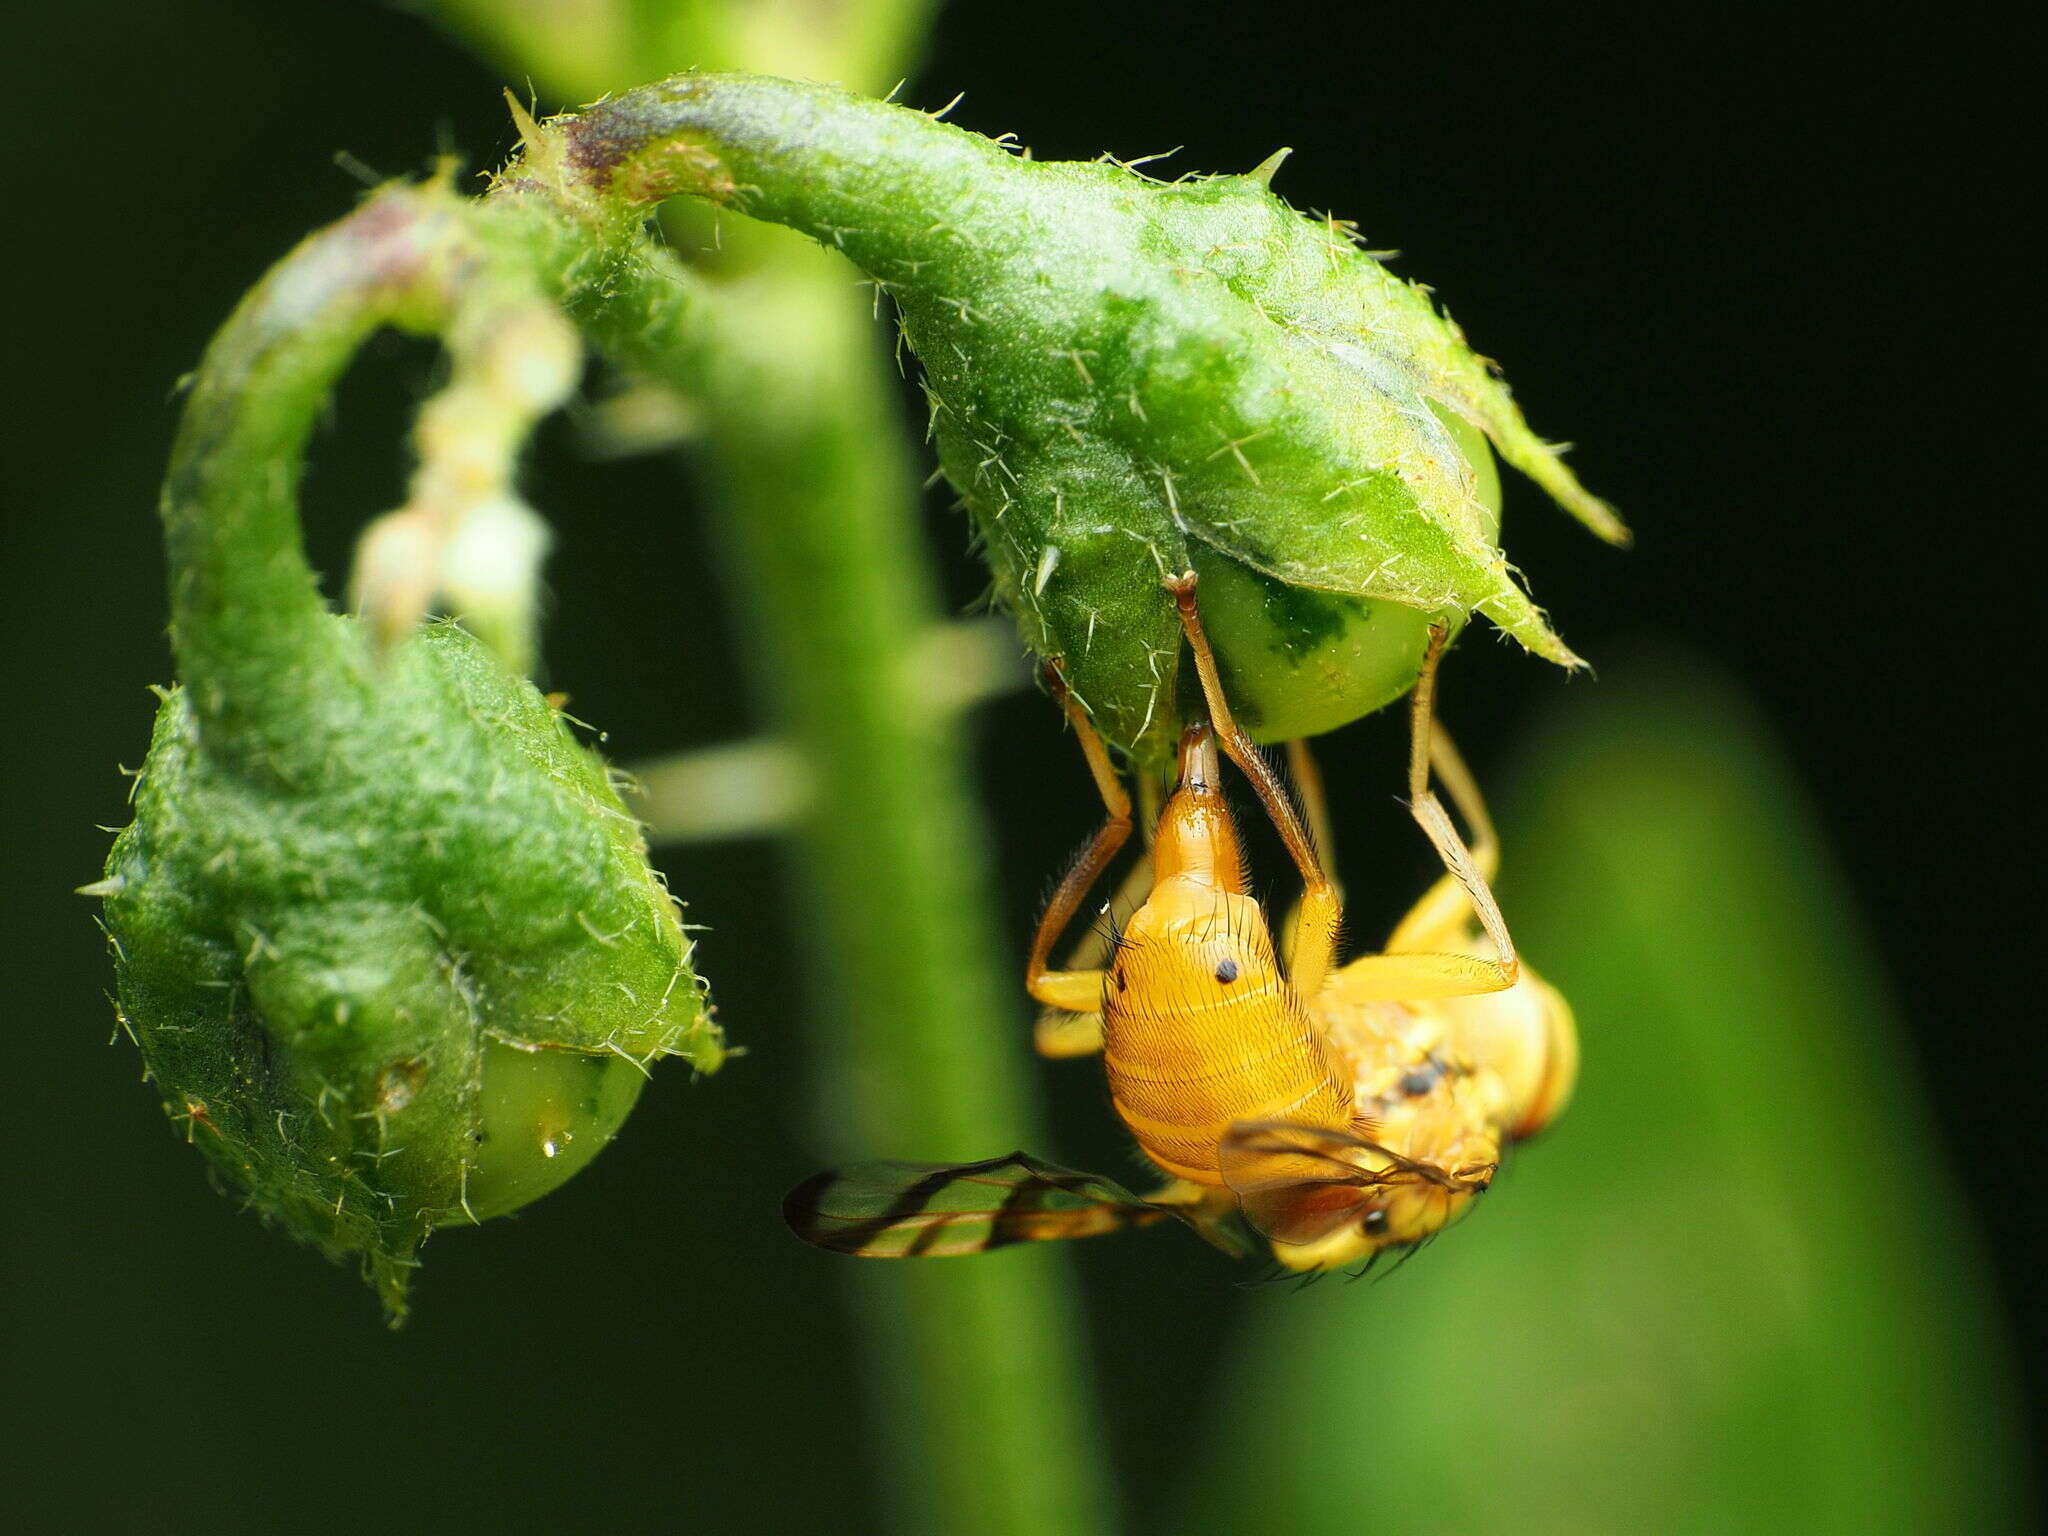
892 189
983 1393
246 613
919 1052
922 1050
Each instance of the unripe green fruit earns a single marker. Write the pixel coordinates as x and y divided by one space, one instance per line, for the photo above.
1297 662
420 987
388 941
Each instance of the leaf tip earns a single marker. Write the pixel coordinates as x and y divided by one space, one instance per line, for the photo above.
1264 172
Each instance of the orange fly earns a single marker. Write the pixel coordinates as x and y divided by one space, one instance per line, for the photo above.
1341 1110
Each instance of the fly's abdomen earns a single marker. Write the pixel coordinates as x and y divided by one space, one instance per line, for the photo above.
1192 1049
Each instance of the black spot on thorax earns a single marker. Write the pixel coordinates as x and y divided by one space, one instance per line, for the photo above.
1420 1080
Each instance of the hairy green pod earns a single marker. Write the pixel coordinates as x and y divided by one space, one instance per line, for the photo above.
1128 378
388 941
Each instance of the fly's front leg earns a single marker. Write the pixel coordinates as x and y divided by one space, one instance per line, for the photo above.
1314 941
1413 967
1077 991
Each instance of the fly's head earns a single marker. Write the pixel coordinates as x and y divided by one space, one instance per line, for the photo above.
1327 1199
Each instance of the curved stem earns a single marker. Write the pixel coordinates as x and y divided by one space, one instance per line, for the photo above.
273 680
984 1391
892 189
248 623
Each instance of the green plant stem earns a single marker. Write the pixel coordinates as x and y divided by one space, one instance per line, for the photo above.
982 1392
921 1050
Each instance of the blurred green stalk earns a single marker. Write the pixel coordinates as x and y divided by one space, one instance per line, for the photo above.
919 1048
920 1052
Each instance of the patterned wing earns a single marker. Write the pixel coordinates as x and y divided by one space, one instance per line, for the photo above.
895 1210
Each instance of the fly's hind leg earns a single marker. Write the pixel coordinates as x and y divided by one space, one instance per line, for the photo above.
1445 913
1414 965
1307 775
1078 991
1314 941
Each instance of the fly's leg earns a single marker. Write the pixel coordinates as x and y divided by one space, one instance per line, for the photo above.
1412 969
1307 775
1445 913
1314 941
1078 991
1061 1034
1210 1209
1428 741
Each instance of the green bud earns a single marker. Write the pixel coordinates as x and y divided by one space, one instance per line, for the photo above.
1129 378
386 937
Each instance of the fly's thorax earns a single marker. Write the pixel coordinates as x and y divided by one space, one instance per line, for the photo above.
1526 1040
1194 969
1190 947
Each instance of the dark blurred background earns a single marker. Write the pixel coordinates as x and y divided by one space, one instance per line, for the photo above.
1753 266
